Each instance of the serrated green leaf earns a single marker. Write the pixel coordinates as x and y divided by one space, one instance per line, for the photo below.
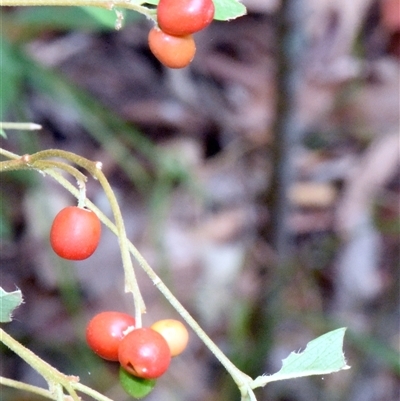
224 9
322 356
9 301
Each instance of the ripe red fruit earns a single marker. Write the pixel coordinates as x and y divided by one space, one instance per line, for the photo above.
144 353
105 332
183 17
172 51
75 233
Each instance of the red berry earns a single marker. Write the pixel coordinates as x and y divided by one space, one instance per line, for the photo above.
75 233
183 17
172 51
105 332
144 353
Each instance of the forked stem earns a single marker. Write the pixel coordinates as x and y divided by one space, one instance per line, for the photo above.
39 161
135 5
242 380
49 373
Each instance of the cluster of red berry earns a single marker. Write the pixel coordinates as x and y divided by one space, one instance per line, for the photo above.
171 41
144 353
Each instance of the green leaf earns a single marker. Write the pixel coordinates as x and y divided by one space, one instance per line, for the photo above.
136 387
224 9
2 133
228 9
322 356
8 302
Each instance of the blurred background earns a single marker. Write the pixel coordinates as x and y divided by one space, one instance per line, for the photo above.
262 183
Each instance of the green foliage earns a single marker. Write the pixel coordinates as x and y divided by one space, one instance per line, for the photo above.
228 9
9 301
322 356
136 387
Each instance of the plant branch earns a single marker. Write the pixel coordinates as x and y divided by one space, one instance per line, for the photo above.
49 394
49 373
89 391
38 161
26 387
94 168
135 5
242 380
9 154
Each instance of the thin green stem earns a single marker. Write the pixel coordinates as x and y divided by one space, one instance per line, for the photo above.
247 393
237 375
58 390
38 161
89 391
24 163
242 380
28 356
49 394
131 284
135 5
47 164
49 373
12 165
94 168
26 387
55 378
8 154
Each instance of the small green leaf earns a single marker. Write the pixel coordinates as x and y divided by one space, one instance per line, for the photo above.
322 356
228 9
2 133
136 387
8 302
